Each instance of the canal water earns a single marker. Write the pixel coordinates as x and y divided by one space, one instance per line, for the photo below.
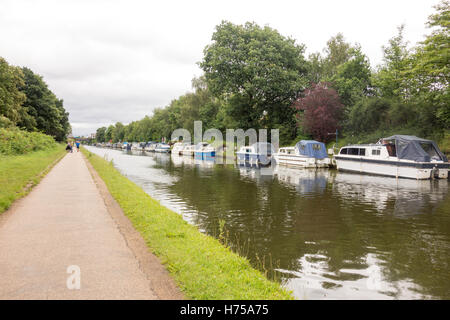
323 234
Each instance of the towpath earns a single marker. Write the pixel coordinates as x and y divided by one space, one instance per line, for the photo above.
68 239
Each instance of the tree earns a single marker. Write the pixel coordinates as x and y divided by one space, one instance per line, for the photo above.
322 110
100 134
109 133
391 80
119 132
11 98
256 68
46 109
337 51
431 64
352 79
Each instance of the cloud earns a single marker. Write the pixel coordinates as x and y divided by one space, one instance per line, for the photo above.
119 60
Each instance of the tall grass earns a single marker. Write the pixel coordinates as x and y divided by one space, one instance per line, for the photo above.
14 141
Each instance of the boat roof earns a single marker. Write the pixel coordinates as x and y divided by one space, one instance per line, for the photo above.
312 148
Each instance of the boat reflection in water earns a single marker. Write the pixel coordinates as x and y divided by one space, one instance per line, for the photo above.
180 160
390 195
305 181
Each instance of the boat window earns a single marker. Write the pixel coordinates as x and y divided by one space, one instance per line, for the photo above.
247 150
362 152
353 151
375 152
429 148
316 146
343 151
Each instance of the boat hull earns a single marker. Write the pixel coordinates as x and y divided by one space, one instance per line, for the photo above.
204 155
298 161
394 168
253 159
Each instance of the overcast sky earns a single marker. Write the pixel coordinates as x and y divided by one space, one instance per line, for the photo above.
118 60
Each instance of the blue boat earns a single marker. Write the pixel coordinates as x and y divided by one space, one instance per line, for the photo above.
305 154
204 151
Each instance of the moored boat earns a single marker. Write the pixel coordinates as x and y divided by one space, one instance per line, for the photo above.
178 147
306 154
188 150
204 151
397 156
150 147
162 148
259 153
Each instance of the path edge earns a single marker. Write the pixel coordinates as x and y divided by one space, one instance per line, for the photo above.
163 285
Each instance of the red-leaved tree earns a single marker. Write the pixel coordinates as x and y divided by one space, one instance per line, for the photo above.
322 110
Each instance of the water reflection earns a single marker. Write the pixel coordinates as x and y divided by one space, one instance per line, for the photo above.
328 234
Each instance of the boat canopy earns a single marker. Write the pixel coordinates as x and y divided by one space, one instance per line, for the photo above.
414 148
200 145
312 148
263 148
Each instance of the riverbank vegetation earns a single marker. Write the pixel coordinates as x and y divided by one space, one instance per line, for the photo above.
254 77
20 172
202 267
14 141
27 103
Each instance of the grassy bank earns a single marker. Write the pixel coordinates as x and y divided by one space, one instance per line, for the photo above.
201 266
20 172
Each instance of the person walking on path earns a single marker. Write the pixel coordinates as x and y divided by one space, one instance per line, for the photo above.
78 146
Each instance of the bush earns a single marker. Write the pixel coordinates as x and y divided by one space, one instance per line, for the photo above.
14 141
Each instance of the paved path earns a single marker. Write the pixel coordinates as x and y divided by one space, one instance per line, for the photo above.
64 222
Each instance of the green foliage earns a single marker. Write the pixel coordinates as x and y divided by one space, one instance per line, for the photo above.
261 71
47 111
26 102
431 67
253 76
100 134
14 141
352 79
11 98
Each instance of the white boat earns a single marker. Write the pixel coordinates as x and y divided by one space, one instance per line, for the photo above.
162 148
126 146
151 146
259 154
306 154
178 147
188 150
205 151
135 146
396 156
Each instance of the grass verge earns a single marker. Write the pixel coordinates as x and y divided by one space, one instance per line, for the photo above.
202 267
21 172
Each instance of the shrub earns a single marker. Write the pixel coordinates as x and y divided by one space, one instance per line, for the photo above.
14 141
